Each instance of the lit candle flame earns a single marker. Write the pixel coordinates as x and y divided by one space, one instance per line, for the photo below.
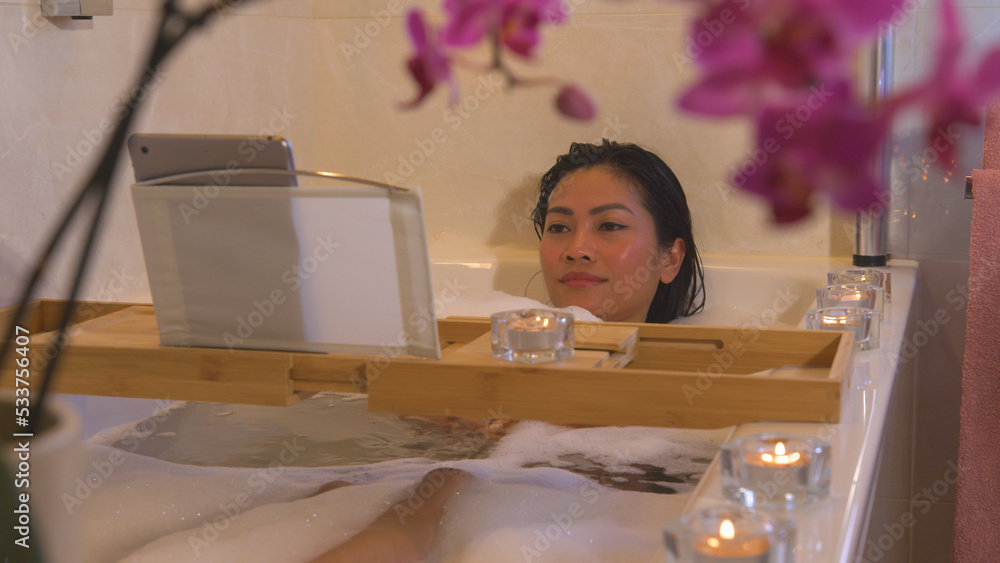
779 456
834 320
726 530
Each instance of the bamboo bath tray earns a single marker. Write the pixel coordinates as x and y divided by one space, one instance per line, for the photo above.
620 374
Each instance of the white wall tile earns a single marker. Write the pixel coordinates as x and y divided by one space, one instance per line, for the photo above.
65 80
932 219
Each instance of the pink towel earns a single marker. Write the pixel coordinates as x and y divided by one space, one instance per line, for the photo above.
991 145
977 501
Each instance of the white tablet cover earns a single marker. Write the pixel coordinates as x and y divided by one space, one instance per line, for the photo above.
343 268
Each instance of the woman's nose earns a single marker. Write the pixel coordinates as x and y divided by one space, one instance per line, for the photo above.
581 247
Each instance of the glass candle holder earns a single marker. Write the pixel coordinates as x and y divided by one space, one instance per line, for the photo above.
729 534
777 471
873 276
532 335
862 295
864 323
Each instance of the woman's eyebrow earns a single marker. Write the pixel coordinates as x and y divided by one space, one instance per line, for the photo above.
609 206
595 211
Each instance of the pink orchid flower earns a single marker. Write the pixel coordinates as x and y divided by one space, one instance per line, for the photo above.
952 96
830 152
515 23
429 65
755 53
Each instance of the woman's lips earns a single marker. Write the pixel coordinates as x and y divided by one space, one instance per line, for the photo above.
580 279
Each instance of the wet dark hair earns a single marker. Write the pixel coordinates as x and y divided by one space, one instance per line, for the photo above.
661 195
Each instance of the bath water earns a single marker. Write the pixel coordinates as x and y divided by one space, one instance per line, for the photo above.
224 482
331 429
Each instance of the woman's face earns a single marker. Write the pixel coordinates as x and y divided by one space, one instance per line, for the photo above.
599 249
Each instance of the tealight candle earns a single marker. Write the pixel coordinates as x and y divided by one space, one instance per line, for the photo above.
536 332
532 335
731 546
729 534
873 276
775 470
864 323
851 295
780 457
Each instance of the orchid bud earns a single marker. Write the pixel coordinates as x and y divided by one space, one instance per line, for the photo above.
575 102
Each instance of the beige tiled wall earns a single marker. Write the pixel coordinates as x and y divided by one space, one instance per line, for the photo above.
251 73
477 164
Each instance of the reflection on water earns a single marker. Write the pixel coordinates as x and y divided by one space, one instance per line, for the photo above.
324 430
642 477
337 430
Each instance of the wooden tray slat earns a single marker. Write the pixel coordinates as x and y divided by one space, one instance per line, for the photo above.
688 376
599 396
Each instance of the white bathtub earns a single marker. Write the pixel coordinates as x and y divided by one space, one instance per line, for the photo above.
777 288
774 291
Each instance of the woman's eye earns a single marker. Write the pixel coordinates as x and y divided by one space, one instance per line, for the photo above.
609 226
557 228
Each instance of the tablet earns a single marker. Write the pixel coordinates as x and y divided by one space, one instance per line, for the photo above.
223 158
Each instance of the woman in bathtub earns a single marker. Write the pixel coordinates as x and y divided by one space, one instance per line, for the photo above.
616 240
